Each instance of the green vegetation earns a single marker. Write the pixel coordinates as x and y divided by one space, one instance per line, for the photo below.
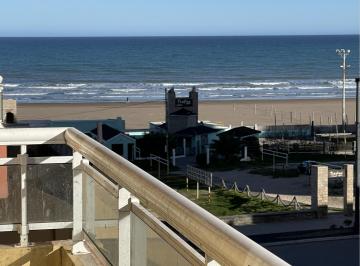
289 172
223 202
227 146
228 151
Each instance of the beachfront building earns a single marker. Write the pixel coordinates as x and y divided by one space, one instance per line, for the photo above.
9 111
246 139
181 112
193 137
110 132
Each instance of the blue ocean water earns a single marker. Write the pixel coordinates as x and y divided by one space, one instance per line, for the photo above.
140 68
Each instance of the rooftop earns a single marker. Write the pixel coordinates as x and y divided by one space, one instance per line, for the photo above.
107 132
240 132
198 130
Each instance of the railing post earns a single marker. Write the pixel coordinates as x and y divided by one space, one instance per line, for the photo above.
159 169
173 157
319 189
207 155
77 197
184 146
210 262
132 235
24 231
90 201
124 228
197 189
348 189
138 240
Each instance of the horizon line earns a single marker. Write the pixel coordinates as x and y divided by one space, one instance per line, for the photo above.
181 36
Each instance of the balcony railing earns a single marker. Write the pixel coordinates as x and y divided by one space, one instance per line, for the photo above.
126 215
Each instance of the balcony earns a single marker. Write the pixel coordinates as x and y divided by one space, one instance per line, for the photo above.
118 213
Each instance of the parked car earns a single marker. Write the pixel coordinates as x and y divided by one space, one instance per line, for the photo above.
305 167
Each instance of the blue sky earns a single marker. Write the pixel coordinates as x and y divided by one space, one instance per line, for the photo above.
177 17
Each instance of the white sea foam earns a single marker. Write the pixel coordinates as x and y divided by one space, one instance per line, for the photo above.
111 96
349 83
183 84
128 90
61 92
314 87
265 83
11 85
220 95
319 93
234 88
26 94
81 93
58 86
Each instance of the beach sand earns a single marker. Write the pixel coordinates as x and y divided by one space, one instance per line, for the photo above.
248 112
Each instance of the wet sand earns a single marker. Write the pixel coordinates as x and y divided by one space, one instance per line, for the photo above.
237 112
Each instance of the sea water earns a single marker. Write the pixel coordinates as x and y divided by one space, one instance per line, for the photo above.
141 68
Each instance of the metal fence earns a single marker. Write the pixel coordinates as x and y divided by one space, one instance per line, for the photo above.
207 178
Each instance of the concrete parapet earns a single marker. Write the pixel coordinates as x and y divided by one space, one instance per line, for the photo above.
319 189
348 189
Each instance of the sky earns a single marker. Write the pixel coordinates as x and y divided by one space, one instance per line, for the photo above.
25 18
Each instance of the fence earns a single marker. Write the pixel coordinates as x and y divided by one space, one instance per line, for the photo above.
275 154
264 196
207 178
200 176
156 158
310 147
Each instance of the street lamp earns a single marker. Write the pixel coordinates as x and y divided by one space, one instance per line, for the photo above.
1 101
343 54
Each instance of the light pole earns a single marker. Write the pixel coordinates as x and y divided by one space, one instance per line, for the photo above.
357 180
343 54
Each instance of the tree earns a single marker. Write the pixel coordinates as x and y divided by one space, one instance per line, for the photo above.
227 146
155 143
253 145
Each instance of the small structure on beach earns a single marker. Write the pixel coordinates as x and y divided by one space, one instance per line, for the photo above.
181 112
240 142
240 132
193 137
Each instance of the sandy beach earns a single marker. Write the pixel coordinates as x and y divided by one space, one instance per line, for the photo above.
248 112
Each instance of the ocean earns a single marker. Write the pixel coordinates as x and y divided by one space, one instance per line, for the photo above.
140 68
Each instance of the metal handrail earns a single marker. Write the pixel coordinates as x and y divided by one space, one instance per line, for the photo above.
158 159
275 152
217 239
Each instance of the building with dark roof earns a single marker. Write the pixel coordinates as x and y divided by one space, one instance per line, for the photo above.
240 132
181 112
110 132
193 137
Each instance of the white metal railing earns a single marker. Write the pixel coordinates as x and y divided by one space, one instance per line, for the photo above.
275 154
200 176
137 152
18 138
134 192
